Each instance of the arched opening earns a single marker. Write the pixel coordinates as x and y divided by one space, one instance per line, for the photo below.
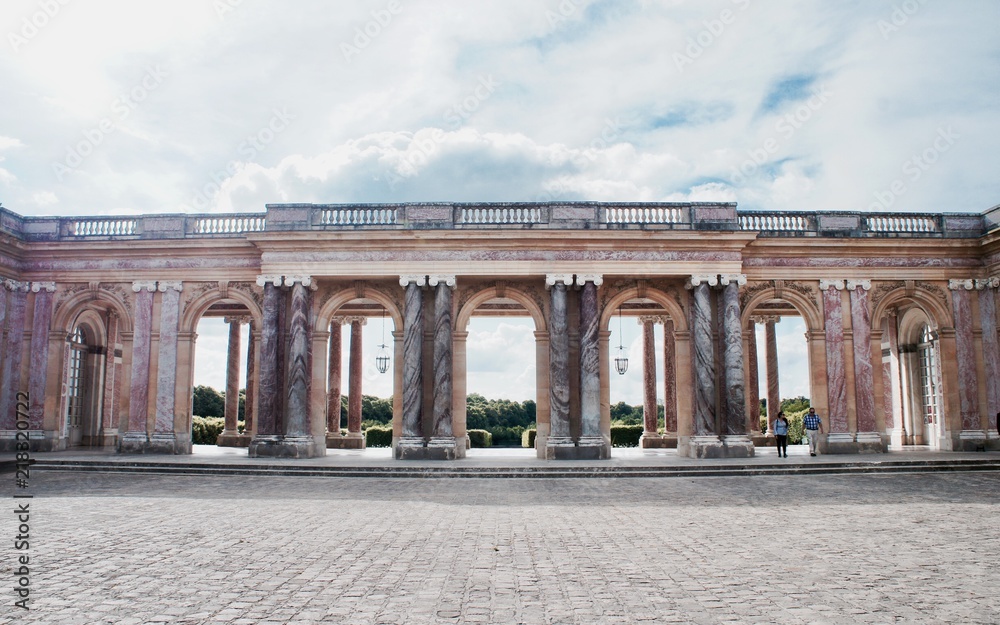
86 362
914 397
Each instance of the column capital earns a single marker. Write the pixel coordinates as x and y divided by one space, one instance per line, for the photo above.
437 279
956 285
644 319
355 318
275 280
765 319
864 285
988 283
827 283
739 278
404 281
15 285
240 319
145 285
552 279
305 281
166 286
697 280
48 287
583 278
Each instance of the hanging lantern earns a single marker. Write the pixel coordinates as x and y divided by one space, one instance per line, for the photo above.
621 361
382 357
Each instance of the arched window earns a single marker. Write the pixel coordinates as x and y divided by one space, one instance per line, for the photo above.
75 383
929 384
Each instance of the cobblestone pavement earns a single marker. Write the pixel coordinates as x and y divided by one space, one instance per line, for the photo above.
140 549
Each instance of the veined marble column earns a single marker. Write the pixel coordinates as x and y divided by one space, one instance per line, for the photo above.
836 420
136 439
297 425
560 440
270 384
39 351
442 443
10 364
411 443
704 357
649 416
591 443
753 380
333 407
163 439
669 378
965 351
991 350
250 401
864 377
230 434
771 358
737 442
355 378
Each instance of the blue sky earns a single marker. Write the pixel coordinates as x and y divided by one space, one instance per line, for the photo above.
116 107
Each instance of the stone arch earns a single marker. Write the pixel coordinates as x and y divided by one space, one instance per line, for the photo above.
329 308
68 311
196 308
806 306
492 292
674 310
937 312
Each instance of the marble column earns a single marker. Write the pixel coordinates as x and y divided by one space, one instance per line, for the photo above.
112 365
442 443
649 416
411 443
163 439
333 407
230 436
991 349
868 438
669 379
250 400
560 442
835 423
136 438
10 364
973 431
297 425
39 351
771 359
753 381
591 444
736 439
890 375
355 378
269 375
704 357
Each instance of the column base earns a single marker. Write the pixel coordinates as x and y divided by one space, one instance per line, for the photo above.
167 443
410 448
972 440
593 448
738 446
232 438
837 443
38 440
871 443
353 440
285 447
133 443
650 441
700 447
442 448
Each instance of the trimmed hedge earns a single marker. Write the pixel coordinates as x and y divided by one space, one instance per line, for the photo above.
480 438
625 435
378 436
206 430
528 438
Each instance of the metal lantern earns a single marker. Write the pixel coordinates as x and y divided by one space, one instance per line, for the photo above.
382 357
621 361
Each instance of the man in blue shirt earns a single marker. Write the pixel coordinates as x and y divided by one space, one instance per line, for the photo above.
814 427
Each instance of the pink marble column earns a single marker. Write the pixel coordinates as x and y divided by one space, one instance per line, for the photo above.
771 360
10 364
890 380
233 377
333 378
649 417
864 377
836 379
968 383
39 351
753 379
138 410
250 399
355 377
669 378
166 370
111 369
991 349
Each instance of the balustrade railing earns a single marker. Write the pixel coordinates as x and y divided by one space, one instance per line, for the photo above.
101 227
644 215
501 215
904 224
229 224
777 222
374 216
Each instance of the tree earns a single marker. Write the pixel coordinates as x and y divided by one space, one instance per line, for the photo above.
208 402
795 404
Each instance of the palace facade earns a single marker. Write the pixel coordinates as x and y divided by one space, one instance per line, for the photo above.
99 317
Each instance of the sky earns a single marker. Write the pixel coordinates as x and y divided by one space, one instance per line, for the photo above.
117 107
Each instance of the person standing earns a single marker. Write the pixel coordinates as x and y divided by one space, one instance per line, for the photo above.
814 427
781 433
